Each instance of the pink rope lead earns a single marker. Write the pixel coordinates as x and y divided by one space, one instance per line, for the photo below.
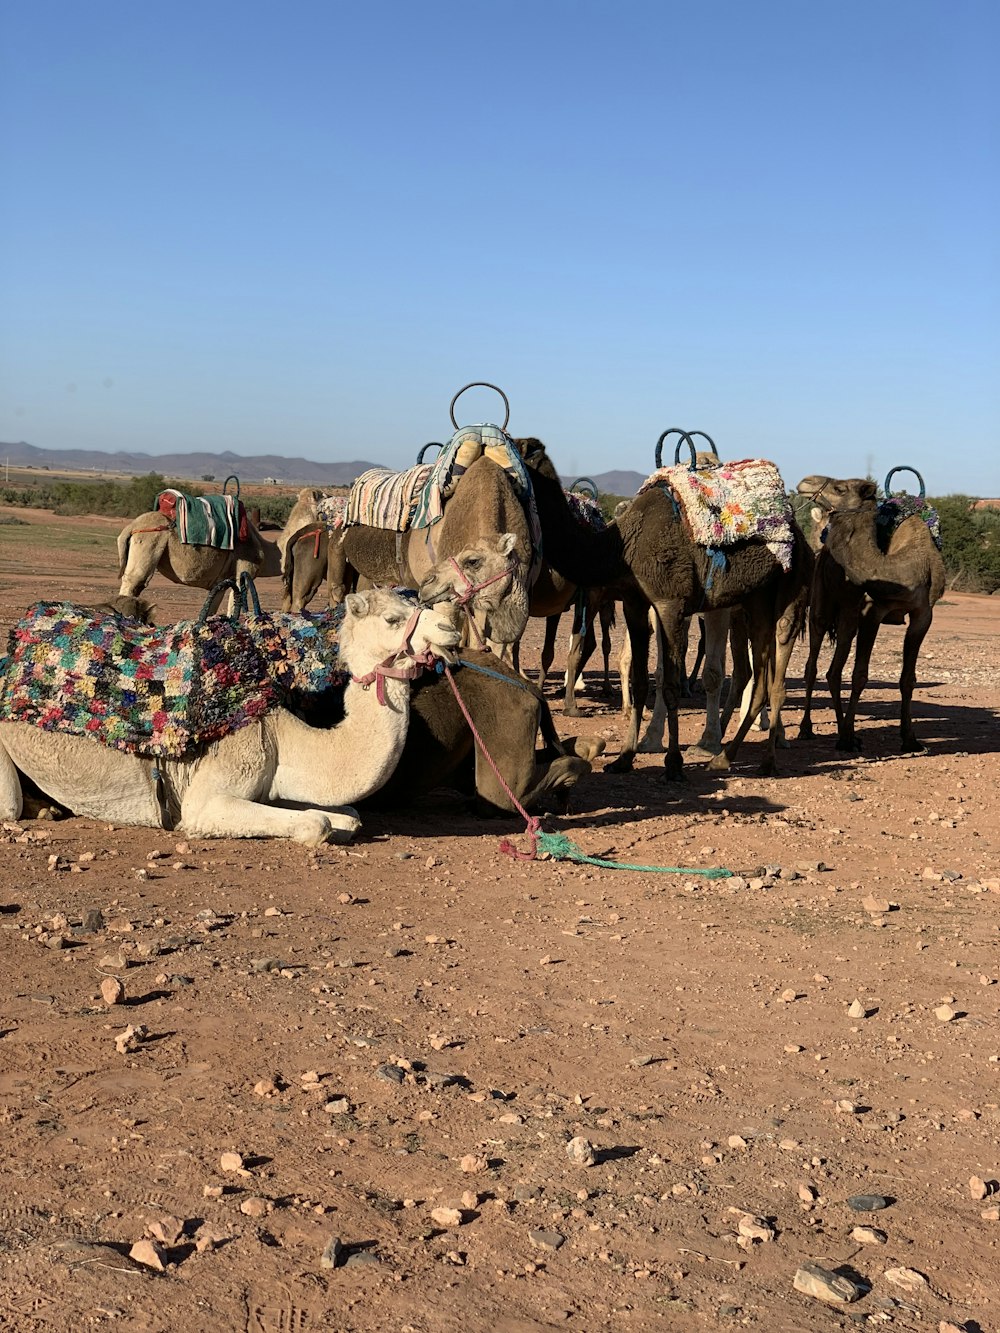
532 824
464 598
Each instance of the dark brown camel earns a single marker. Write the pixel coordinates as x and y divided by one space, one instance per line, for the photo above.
857 587
646 558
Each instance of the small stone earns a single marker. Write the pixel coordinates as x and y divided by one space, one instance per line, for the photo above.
207 1238
792 1049
581 1151
390 1073
149 1254
231 1161
736 1141
907 1278
166 1229
876 905
266 1087
825 1285
337 1106
470 1200
807 1193
869 1236
526 1193
93 920
981 1189
546 1240
755 1228
211 1191
113 962
990 1214
128 1041
256 1207
945 1013
857 1010
112 991
447 1217
946 1326
332 1254
846 1107
473 1163
787 996
867 1203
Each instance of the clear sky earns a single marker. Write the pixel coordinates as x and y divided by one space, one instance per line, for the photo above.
300 227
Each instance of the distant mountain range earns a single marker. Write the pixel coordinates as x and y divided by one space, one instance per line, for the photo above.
249 468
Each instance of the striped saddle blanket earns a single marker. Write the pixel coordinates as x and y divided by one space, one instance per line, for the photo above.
381 498
205 520
160 691
730 503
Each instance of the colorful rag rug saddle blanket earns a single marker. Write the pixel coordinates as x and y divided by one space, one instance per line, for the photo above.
160 691
586 510
893 510
730 503
205 520
332 510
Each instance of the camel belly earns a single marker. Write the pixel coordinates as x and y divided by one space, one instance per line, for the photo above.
84 775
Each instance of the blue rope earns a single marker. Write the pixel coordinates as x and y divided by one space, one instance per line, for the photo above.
717 561
486 671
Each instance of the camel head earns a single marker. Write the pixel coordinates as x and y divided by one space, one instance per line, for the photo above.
838 497
478 578
533 452
381 627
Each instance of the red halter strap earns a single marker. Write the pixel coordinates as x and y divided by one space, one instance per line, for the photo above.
388 668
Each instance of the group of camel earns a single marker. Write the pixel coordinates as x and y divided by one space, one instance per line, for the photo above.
410 735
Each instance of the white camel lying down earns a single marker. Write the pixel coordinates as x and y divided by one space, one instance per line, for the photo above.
234 787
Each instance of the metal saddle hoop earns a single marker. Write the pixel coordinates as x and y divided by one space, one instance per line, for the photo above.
431 444
586 486
243 592
687 437
903 468
480 384
232 477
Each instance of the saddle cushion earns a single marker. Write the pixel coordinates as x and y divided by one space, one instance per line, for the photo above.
730 503
895 508
332 510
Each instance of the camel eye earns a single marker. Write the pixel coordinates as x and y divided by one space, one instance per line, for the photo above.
393 621
473 562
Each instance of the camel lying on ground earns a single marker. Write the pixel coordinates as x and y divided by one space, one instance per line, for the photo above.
857 587
235 787
440 749
150 545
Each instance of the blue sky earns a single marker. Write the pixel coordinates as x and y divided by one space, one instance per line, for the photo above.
300 228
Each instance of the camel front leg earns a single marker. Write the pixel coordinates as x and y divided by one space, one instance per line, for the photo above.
916 631
868 628
762 645
11 795
606 612
583 641
219 815
816 633
548 647
652 741
637 625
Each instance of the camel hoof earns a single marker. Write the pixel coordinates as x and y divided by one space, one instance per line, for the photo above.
673 769
584 748
719 763
806 731
783 744
849 746
571 710
767 769
701 752
648 746
623 764
912 746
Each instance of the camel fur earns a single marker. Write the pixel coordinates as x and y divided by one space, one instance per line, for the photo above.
484 504
310 553
236 787
150 544
856 588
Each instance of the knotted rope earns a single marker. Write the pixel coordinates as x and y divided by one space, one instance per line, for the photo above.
388 669
557 845
464 598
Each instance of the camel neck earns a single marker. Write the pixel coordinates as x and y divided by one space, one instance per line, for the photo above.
586 556
851 540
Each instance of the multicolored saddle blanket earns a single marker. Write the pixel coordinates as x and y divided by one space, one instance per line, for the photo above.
893 510
384 499
162 692
332 510
205 520
586 510
730 503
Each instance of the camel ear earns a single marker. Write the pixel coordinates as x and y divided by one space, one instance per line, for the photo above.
506 542
356 603
868 490
810 485
817 515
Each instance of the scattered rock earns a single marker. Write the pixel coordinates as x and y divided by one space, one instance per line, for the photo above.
876 905
945 1013
755 1228
333 1253
231 1161
473 1163
255 1206
207 1238
826 1285
390 1073
129 1040
982 1189
869 1236
857 1010
166 1229
112 991
546 1240
581 1151
907 1278
149 1254
447 1217
868 1203
337 1106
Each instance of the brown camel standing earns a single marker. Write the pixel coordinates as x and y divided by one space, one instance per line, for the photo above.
484 504
857 586
647 558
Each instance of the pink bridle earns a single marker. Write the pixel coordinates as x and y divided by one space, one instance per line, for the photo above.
388 669
464 598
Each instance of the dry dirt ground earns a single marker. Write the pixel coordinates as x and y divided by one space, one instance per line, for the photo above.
418 1023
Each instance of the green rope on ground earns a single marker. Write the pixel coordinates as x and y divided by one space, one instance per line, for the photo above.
561 848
